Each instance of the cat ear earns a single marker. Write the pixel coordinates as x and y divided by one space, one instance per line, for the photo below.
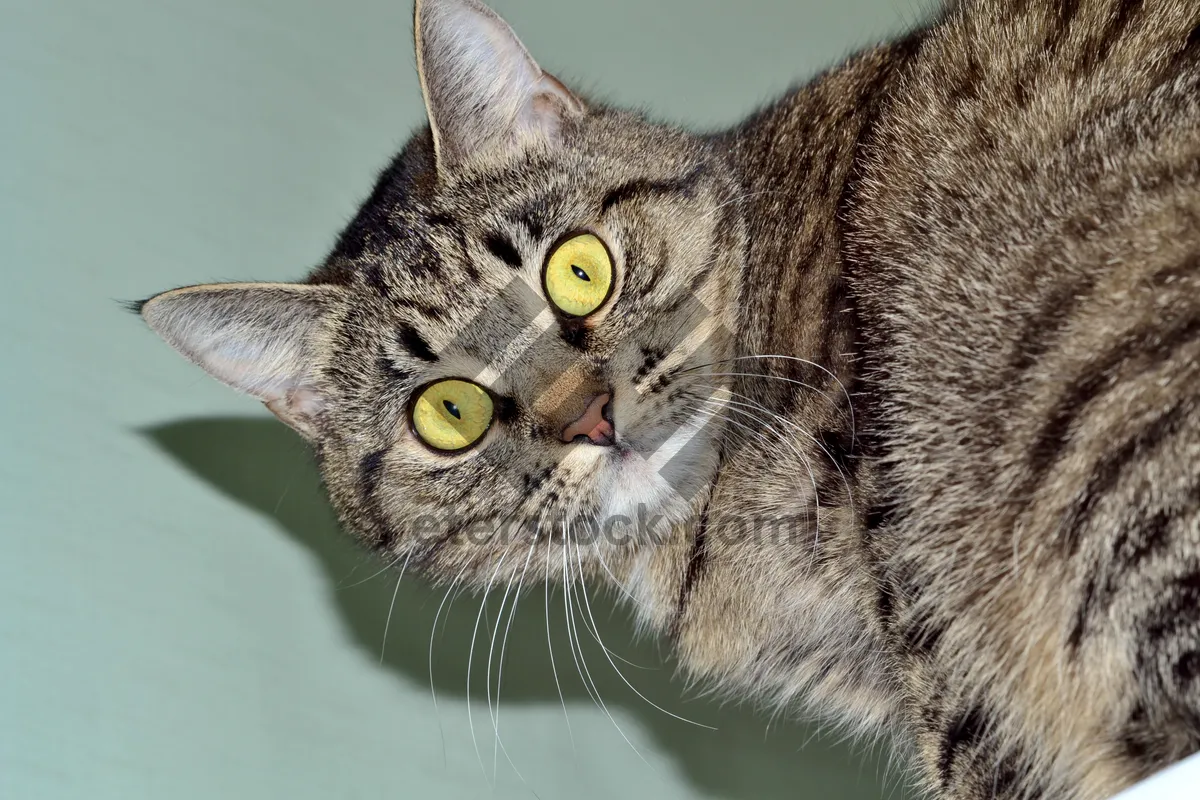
482 88
259 338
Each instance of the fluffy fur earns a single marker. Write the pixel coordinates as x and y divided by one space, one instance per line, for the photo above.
932 319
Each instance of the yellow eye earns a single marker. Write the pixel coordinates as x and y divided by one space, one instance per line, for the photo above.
452 415
578 275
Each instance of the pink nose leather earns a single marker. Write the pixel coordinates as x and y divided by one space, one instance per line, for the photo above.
592 424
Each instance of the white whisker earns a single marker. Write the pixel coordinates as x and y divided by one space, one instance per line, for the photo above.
595 632
471 659
433 633
692 374
808 465
374 574
583 660
826 370
550 645
500 667
392 607
568 579
751 403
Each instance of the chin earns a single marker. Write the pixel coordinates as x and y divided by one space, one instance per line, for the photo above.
654 490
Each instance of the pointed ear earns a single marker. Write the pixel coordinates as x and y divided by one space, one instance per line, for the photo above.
482 89
259 338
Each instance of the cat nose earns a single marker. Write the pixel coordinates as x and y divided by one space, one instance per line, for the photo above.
594 424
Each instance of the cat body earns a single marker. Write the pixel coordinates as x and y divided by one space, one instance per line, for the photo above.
907 366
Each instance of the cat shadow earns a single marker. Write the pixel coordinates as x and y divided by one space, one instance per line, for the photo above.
264 466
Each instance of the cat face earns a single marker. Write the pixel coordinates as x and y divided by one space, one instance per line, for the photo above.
515 341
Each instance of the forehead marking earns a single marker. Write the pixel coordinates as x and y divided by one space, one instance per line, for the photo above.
502 248
412 341
684 186
450 225
534 214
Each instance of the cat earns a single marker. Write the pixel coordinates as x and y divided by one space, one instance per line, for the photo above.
893 388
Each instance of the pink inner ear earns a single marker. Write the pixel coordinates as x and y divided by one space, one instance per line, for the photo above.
306 401
268 367
298 409
248 372
294 403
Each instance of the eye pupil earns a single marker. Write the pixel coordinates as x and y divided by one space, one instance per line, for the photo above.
577 275
451 415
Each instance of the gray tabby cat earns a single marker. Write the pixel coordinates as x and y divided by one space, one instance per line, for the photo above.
938 310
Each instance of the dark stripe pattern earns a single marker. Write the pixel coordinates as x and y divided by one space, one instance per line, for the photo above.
645 188
693 571
412 341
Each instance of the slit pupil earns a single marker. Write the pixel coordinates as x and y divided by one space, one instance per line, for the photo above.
579 273
453 409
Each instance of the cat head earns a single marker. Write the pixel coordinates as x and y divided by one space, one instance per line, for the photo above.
517 339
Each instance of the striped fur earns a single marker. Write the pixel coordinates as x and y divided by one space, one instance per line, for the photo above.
950 293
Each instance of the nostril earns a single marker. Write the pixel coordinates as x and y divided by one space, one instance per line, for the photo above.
602 435
593 426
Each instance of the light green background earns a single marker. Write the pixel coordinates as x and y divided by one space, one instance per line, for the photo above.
179 617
